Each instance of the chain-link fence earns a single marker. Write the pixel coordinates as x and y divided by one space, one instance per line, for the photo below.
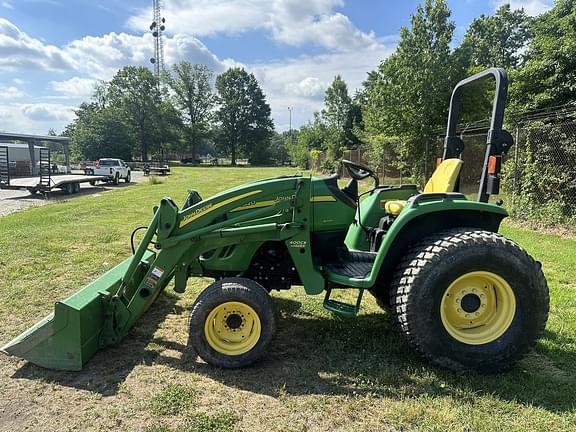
538 176
540 173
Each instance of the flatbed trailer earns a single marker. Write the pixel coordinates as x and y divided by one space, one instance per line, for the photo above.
46 182
69 183
156 169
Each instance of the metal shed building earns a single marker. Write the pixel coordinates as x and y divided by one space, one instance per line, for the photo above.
21 152
33 144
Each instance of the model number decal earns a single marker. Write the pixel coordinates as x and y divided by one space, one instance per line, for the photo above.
298 243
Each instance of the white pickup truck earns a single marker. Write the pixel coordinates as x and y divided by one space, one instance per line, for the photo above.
113 169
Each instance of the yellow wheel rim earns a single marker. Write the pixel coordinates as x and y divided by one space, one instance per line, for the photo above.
478 307
232 328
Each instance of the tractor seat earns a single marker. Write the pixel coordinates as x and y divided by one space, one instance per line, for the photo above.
443 180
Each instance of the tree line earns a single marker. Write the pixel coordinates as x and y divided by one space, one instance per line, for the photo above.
186 111
402 106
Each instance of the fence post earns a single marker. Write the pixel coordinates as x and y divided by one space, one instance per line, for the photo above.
426 163
515 180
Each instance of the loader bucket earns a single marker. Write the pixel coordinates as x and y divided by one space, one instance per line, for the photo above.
69 337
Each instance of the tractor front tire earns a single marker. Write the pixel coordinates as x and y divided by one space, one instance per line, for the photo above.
470 300
382 294
232 323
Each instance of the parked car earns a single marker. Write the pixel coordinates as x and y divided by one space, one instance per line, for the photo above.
113 169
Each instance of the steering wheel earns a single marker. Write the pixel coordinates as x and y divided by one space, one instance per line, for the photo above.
358 171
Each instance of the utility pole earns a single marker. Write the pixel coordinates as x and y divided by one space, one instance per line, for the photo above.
290 132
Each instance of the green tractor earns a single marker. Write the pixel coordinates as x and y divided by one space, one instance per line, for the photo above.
465 297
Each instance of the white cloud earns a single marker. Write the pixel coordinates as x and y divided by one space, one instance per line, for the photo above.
296 23
206 17
34 118
10 92
531 7
101 56
7 5
187 47
18 50
97 56
311 87
296 82
76 87
289 21
43 112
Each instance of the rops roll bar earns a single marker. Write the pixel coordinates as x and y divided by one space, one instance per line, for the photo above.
498 140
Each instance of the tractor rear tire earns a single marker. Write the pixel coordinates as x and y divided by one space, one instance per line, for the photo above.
470 300
232 323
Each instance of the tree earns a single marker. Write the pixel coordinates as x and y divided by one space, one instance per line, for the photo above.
243 116
134 92
97 133
337 104
407 97
170 131
341 113
309 142
497 40
547 77
279 146
192 94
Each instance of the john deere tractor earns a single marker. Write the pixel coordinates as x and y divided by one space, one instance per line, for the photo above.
465 297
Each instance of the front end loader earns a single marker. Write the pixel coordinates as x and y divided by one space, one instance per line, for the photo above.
465 297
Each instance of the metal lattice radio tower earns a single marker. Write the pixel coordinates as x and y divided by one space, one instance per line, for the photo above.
157 27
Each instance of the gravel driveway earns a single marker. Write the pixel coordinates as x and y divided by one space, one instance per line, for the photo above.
14 200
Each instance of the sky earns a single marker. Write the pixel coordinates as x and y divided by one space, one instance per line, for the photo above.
53 51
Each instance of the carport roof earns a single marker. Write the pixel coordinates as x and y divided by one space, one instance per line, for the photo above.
20 145
26 137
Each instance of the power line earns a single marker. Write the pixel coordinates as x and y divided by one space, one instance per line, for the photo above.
550 114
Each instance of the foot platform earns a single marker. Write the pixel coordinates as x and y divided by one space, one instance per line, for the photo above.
340 308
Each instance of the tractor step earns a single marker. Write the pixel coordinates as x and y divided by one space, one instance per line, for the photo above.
340 308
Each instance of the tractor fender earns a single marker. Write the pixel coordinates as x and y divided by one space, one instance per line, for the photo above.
421 220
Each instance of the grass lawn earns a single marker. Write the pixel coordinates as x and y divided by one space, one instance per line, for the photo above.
322 373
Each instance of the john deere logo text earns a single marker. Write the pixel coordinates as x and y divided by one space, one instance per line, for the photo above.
195 214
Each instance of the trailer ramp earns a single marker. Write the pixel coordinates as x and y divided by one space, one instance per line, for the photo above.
4 166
